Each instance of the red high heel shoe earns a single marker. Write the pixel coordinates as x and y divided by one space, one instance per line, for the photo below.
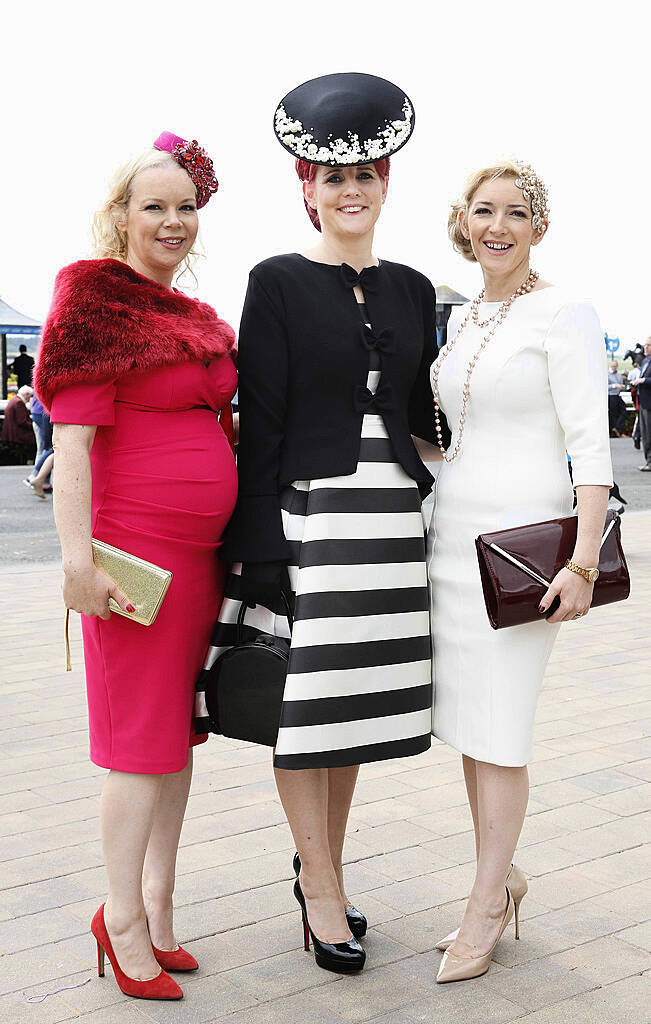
175 959
160 987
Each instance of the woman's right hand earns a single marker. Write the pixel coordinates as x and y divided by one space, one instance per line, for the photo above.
87 591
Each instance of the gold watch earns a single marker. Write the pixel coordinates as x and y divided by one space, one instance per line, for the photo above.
591 575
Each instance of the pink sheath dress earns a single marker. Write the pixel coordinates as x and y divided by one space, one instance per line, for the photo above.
164 488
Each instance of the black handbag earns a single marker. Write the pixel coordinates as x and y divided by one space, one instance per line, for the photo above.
245 685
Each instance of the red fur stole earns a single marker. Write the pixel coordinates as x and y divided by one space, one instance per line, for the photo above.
105 319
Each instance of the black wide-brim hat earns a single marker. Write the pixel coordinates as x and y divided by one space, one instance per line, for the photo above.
344 119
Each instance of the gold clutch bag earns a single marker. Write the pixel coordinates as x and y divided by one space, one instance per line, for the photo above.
144 583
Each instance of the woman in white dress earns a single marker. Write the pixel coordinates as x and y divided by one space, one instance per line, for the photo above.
515 403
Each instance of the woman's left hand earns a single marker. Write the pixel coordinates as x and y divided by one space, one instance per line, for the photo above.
575 595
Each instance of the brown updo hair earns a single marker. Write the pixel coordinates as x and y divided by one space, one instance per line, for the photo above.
307 172
462 244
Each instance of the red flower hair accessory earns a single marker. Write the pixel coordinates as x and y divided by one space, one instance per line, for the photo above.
193 159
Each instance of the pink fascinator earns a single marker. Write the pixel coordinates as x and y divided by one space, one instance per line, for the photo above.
193 159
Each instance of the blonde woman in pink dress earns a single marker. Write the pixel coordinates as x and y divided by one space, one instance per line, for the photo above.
136 375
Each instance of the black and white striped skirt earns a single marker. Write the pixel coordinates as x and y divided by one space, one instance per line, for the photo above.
359 678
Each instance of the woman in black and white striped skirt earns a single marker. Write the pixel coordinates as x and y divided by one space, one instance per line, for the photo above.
335 350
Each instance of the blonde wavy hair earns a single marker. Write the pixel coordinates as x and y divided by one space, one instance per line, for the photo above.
109 242
507 168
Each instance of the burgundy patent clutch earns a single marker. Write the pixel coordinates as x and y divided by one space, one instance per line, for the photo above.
517 565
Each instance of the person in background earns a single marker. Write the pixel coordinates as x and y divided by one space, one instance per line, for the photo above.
36 412
22 366
644 413
17 429
632 379
617 411
38 482
39 478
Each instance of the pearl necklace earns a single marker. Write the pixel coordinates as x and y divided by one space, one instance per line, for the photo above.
495 320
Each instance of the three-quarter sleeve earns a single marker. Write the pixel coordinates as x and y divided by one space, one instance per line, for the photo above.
89 403
255 532
578 378
421 405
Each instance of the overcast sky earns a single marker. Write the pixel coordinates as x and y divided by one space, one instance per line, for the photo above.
562 86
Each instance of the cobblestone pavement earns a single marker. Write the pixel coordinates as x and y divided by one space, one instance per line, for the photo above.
586 930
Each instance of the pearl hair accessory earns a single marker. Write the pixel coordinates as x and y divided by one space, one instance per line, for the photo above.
535 191
495 320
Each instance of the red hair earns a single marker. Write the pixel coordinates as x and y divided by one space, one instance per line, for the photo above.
307 171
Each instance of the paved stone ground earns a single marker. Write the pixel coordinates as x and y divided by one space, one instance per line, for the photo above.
586 934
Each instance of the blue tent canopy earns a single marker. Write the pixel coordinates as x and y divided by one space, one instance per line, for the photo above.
13 324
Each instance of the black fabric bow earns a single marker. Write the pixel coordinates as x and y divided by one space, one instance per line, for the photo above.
364 398
384 341
367 279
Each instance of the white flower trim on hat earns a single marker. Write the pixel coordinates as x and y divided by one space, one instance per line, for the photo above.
339 151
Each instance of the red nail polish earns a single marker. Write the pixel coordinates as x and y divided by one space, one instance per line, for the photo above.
540 609
131 608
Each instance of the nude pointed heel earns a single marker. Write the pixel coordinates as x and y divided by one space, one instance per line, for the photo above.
447 941
517 883
460 968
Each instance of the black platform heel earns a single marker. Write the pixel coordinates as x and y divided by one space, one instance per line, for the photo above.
354 917
341 957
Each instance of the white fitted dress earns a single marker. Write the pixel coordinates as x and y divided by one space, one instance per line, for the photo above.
539 390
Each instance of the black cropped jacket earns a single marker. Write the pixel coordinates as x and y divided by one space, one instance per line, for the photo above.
303 365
